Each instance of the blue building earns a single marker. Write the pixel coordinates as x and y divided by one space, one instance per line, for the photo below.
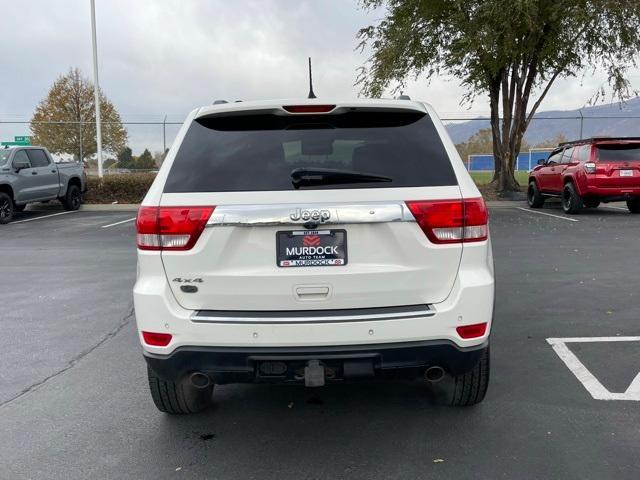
526 160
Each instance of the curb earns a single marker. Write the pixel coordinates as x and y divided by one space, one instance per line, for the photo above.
86 207
506 203
110 207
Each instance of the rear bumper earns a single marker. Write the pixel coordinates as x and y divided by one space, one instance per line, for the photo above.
470 302
244 365
611 194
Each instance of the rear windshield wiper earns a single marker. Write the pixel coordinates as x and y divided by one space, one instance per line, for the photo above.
305 177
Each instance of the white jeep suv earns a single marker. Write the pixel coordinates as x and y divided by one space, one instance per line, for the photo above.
313 242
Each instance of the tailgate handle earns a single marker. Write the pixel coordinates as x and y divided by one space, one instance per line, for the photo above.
312 293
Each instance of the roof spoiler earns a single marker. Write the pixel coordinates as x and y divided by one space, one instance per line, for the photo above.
597 139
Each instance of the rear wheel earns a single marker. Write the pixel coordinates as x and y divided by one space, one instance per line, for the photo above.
6 208
471 387
178 397
534 198
591 202
571 201
634 205
73 198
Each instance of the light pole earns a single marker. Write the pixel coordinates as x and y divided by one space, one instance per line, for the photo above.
96 87
164 136
581 122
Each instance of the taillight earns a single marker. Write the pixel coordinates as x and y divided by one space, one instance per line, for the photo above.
451 221
156 339
308 108
472 331
590 167
170 228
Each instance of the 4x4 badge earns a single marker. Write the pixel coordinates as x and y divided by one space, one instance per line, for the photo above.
187 280
321 216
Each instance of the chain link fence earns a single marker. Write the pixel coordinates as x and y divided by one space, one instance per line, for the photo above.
155 136
543 133
158 135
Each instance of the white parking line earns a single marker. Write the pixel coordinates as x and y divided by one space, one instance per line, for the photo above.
45 216
547 214
119 223
588 380
617 208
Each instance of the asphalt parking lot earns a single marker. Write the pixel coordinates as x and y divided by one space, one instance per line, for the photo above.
74 401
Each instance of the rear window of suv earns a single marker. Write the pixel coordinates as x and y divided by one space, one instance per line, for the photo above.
258 152
622 152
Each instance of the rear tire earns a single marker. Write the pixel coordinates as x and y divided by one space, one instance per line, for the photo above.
73 198
6 208
471 387
634 205
178 397
571 201
534 197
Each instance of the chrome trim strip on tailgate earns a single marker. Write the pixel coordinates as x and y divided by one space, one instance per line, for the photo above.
316 213
313 316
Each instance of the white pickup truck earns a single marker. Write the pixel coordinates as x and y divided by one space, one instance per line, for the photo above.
29 174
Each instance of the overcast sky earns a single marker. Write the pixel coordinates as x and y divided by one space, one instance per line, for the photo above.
160 57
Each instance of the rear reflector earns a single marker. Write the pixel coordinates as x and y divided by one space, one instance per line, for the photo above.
452 221
156 339
472 331
308 108
170 228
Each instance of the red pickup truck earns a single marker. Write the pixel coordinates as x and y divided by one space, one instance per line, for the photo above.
584 173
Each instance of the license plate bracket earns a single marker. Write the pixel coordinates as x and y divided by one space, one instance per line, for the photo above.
311 248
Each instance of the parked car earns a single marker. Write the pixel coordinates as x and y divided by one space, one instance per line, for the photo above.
313 242
29 174
584 173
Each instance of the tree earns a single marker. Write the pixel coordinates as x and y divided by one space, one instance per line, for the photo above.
552 142
512 51
480 142
159 157
71 99
125 158
145 161
109 163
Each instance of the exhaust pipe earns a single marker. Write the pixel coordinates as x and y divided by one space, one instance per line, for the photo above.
200 380
434 374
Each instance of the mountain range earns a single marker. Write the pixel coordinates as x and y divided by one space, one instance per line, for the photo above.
613 119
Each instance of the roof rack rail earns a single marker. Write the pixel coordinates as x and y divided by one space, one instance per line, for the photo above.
219 102
595 139
404 97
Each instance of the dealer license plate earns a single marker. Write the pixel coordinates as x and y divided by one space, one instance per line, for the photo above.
311 248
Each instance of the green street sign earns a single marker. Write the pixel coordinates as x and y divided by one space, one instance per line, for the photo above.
18 141
23 139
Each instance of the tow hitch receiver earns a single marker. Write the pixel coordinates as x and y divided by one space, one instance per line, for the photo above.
314 374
